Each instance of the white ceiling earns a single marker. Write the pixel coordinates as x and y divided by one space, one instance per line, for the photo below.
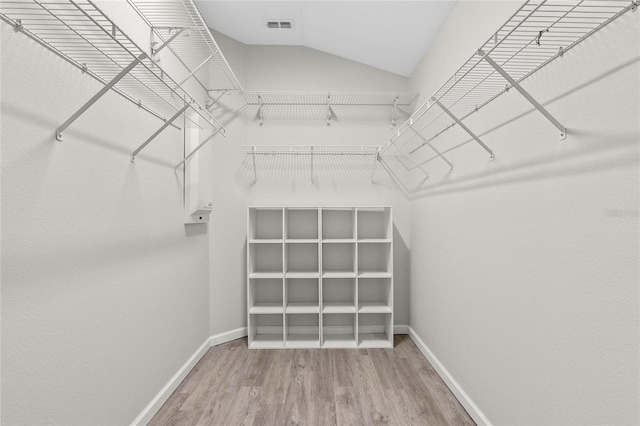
390 35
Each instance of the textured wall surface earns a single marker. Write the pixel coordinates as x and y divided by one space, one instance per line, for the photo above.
524 270
281 181
104 290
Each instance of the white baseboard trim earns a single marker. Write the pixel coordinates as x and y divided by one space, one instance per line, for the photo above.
152 408
474 411
227 336
400 329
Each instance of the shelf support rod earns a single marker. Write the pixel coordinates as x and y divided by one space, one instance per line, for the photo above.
195 70
196 149
155 51
463 127
376 157
527 96
157 132
212 101
253 157
311 184
329 110
260 116
426 142
394 107
98 95
109 86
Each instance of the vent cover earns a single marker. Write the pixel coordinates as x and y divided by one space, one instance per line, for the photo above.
280 24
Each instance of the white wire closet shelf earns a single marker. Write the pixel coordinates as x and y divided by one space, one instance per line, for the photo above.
79 32
197 51
327 105
536 34
311 151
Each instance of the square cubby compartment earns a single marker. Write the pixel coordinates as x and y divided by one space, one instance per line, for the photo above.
302 330
266 296
374 258
338 224
265 224
374 295
375 330
338 258
374 223
302 224
265 258
338 295
302 257
338 330
302 296
266 331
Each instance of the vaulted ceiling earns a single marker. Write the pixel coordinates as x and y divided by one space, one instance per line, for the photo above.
390 35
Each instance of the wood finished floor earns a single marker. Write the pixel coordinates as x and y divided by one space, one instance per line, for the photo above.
232 385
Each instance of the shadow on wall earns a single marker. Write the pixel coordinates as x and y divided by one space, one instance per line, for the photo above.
622 153
194 229
401 287
548 166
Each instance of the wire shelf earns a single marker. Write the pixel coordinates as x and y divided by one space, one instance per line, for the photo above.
537 33
336 154
79 32
199 49
332 98
310 149
327 105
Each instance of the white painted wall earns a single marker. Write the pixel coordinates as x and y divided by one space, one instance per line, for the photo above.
282 182
525 270
104 290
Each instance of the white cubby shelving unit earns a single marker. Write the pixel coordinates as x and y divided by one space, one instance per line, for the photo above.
320 277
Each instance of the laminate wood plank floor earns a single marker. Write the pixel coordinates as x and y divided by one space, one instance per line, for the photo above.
232 385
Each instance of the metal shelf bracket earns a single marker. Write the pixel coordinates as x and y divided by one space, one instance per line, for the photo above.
433 148
98 95
464 127
109 86
260 112
523 92
311 176
196 149
376 158
394 108
253 158
157 132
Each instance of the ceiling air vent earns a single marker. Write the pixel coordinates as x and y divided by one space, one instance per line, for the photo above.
282 24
